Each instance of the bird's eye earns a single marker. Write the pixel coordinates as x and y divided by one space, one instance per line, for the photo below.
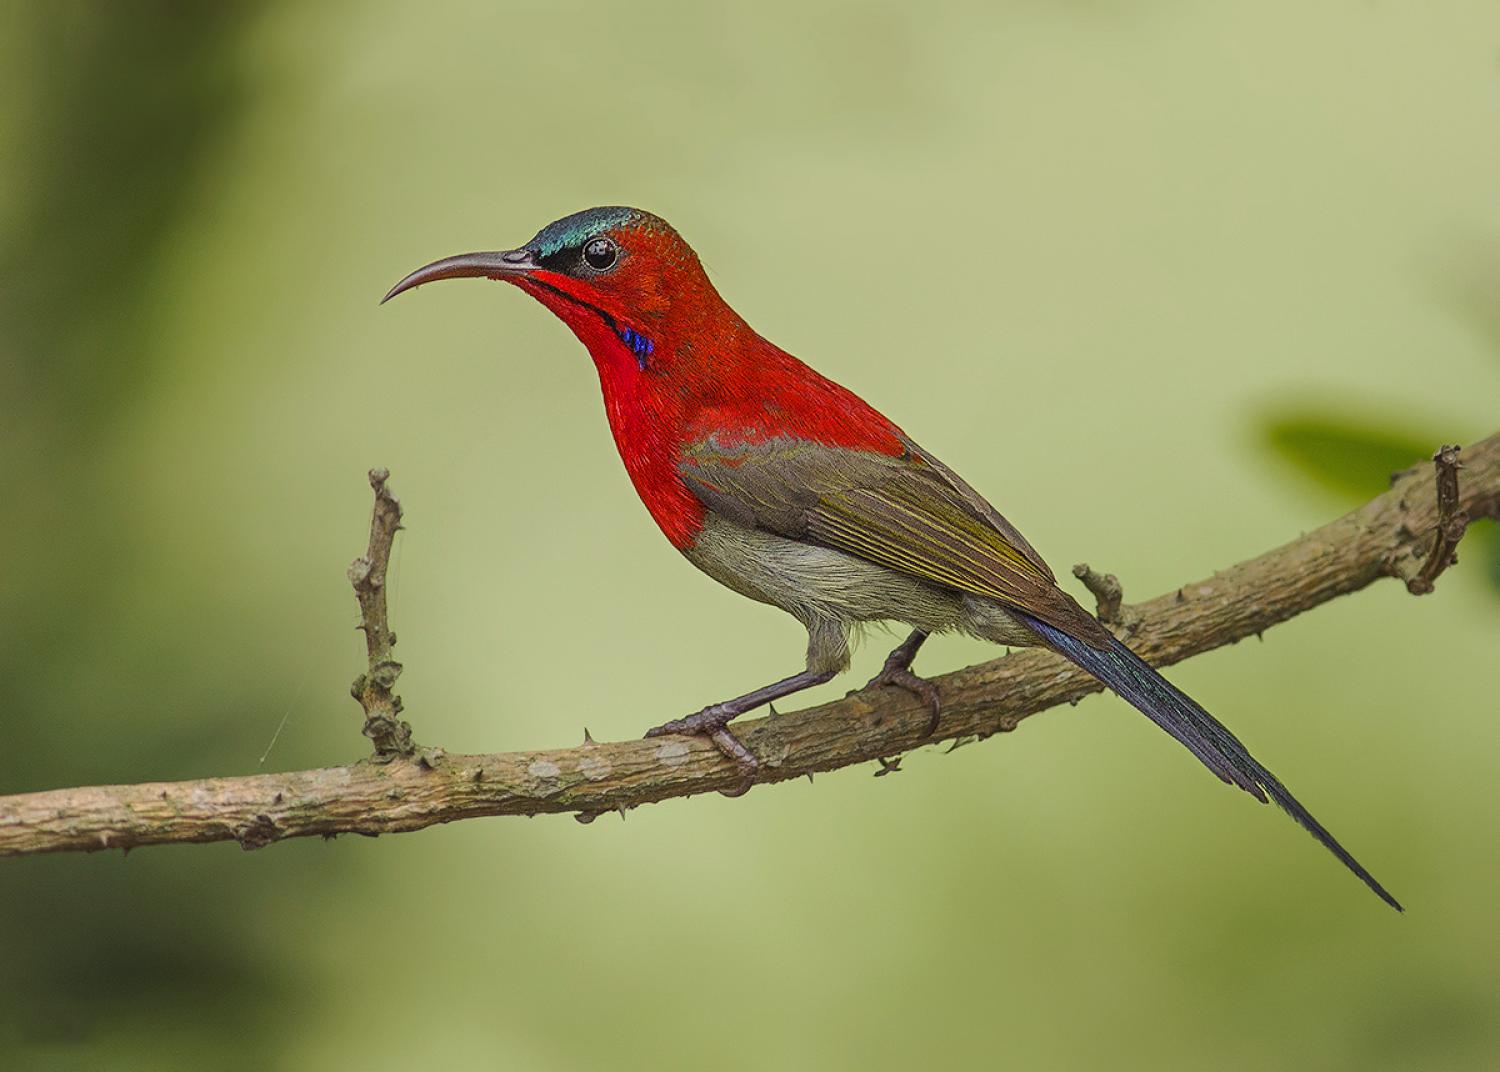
600 254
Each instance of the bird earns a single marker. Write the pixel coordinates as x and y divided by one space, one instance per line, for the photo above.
790 489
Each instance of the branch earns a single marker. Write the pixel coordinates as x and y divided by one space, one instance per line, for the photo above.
1452 522
1106 589
367 574
1388 536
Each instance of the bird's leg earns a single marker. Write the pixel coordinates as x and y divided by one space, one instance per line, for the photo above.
713 720
897 672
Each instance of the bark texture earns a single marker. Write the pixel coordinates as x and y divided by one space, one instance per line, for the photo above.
367 573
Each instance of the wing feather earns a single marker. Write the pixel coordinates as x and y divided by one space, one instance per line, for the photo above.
906 512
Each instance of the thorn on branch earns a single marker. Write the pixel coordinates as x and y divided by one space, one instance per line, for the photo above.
1451 522
1106 589
367 574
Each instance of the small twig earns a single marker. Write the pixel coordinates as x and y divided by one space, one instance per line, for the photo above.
1452 522
1107 591
383 725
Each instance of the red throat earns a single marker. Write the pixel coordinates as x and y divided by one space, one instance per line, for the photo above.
707 373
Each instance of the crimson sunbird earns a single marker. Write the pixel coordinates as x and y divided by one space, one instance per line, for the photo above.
794 491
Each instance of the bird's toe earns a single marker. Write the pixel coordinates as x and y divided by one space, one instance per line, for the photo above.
902 678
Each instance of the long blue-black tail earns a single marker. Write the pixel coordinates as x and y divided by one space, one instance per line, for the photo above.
1174 711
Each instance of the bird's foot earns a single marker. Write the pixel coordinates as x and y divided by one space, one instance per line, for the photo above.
713 722
896 673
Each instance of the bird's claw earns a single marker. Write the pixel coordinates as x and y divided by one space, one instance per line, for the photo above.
735 749
902 677
713 723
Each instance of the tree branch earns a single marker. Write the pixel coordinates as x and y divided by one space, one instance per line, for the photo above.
1106 589
367 574
1452 522
1389 536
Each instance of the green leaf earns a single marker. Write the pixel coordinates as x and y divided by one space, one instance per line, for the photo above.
1350 456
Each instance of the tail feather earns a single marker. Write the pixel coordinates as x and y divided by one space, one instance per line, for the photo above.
1174 711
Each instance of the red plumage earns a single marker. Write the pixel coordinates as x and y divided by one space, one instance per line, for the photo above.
709 374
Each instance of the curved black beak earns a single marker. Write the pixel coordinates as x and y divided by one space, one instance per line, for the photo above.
511 262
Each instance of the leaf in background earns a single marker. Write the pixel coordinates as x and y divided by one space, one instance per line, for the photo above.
1354 458
1350 456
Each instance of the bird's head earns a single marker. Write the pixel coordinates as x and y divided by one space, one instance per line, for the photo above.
622 279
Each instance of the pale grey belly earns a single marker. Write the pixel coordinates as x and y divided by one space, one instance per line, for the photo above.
829 591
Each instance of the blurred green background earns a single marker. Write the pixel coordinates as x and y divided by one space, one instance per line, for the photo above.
1171 283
